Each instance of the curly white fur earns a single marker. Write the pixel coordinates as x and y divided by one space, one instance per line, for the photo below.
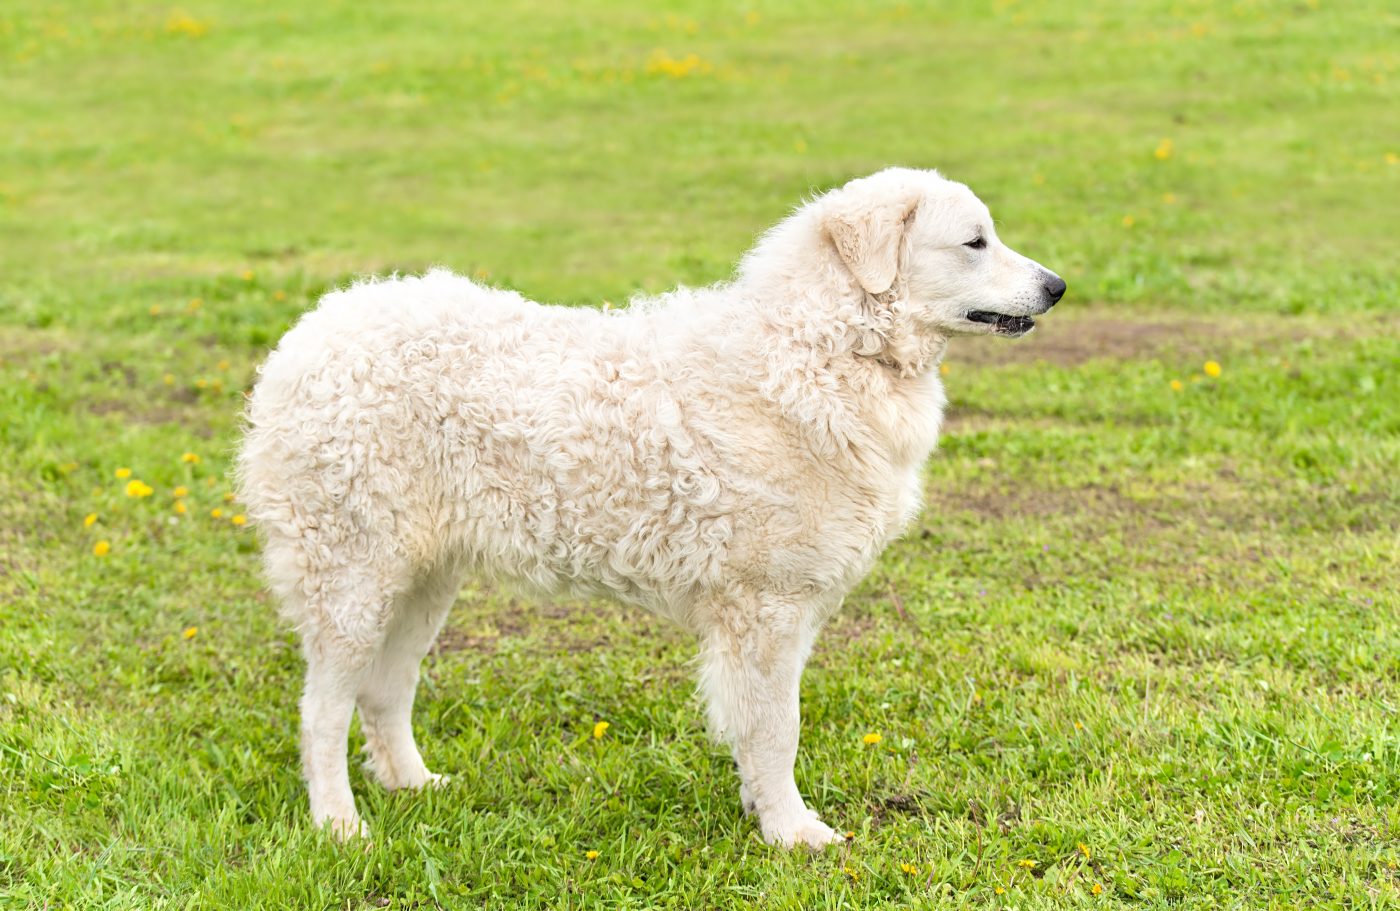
733 458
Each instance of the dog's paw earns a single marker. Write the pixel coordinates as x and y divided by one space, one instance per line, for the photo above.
408 778
345 828
806 828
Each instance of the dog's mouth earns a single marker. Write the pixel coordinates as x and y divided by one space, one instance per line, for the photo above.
1002 323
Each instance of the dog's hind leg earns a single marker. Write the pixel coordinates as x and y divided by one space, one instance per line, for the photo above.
750 673
386 692
343 624
334 669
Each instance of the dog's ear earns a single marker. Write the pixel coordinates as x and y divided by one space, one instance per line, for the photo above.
866 224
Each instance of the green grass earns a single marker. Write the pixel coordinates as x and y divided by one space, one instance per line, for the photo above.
1159 624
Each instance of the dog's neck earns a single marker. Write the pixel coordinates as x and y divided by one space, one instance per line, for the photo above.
852 370
904 347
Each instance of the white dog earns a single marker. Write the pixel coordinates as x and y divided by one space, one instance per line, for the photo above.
733 458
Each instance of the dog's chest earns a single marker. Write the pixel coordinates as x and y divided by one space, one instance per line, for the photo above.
912 417
892 483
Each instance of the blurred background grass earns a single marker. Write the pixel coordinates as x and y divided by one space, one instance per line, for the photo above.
1203 154
1143 637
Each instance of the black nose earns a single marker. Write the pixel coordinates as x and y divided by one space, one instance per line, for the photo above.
1055 289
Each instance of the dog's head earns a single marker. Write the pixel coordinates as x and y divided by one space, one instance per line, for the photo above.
928 243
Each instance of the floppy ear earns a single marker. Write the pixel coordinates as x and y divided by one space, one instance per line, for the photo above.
867 232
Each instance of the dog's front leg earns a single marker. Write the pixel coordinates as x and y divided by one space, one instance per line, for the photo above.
751 668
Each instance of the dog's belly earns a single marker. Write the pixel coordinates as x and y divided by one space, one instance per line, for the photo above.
590 500
657 525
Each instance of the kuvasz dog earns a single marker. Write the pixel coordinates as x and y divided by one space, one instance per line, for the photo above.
733 458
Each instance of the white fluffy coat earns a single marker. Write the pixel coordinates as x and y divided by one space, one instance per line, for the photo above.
733 458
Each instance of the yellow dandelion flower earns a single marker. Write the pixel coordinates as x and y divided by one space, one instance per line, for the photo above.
102 548
182 23
872 738
168 379
600 729
662 63
909 868
1097 890
216 513
201 383
855 877
228 497
222 365
279 295
1178 385
190 458
1027 864
1000 891
1169 198
181 491
1392 158
591 855
180 507
944 369
123 473
1212 369
154 310
1079 725
194 304
1083 849
239 519
138 488
246 275
1128 221
89 519
1163 150
850 836
190 632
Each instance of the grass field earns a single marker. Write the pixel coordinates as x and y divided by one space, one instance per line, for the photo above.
1140 650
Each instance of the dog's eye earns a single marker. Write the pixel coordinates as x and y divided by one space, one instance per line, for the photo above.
977 244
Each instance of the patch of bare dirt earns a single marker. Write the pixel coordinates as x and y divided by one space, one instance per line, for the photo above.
1013 502
1101 333
452 639
126 372
1068 344
545 627
148 413
484 633
966 418
19 345
852 626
